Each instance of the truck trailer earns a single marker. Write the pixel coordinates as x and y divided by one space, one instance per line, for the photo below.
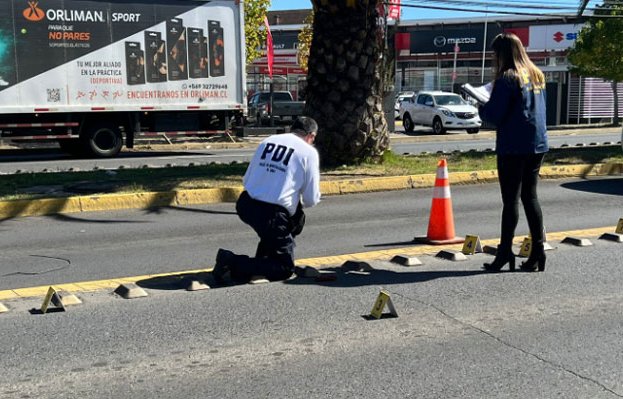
95 75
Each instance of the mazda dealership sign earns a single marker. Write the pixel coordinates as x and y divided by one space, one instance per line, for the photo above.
443 40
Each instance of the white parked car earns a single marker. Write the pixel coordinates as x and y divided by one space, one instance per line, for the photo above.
402 96
440 110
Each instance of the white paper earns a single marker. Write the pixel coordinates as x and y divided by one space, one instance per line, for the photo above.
480 93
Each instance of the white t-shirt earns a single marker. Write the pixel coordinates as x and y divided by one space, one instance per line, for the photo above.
284 170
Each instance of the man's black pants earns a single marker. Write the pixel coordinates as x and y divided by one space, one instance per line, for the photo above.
274 258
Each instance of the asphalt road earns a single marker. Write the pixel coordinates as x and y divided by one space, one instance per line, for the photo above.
460 333
52 160
102 245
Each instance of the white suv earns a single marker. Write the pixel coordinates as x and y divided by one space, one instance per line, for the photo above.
440 110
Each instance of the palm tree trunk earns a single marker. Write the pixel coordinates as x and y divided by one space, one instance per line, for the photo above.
345 88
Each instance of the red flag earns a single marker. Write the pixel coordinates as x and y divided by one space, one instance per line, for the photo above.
269 48
394 9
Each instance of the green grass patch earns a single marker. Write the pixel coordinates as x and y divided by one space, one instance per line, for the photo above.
41 185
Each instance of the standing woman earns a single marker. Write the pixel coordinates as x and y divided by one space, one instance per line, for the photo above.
517 109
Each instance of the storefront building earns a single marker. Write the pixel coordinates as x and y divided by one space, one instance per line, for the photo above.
287 73
442 55
435 55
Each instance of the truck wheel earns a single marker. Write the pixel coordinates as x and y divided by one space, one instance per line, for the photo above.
407 123
72 146
473 130
438 126
104 140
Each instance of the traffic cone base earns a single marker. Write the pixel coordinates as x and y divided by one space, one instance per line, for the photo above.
426 240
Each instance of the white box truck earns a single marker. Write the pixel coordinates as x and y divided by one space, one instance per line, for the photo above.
94 75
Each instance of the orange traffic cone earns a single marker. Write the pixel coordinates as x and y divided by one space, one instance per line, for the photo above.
441 222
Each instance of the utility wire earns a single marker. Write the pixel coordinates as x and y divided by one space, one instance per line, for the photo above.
515 4
492 11
520 3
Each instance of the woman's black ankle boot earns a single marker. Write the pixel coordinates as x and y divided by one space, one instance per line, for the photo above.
536 260
502 257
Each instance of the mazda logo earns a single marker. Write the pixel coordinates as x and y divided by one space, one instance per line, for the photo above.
439 41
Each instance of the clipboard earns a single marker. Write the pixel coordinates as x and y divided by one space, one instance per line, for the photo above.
480 93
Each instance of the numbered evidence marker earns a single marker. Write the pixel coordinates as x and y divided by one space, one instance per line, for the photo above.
51 296
381 301
526 247
471 245
619 229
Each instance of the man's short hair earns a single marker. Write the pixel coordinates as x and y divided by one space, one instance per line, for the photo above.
304 125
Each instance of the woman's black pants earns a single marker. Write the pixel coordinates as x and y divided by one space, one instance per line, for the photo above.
518 176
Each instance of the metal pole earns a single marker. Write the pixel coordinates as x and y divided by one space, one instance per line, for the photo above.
456 53
484 50
272 92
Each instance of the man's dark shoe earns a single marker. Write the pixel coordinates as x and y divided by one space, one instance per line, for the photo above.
221 268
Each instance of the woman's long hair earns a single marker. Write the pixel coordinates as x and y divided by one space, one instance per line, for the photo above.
511 59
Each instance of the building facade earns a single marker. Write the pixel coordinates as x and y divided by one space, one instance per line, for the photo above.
434 55
442 55
287 73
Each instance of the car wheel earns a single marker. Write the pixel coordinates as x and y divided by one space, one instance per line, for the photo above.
407 123
438 126
473 130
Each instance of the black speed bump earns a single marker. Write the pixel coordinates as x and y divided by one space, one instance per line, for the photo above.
490 249
578 242
406 260
65 298
259 280
306 272
612 237
451 255
196 285
356 266
130 291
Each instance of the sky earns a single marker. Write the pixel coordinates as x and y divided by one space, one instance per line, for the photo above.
411 13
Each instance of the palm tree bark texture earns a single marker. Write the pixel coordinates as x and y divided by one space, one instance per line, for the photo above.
344 81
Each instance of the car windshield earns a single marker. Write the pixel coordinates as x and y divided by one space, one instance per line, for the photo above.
264 97
449 99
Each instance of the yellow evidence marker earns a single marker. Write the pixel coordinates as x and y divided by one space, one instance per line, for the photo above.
619 229
471 245
51 296
381 301
526 247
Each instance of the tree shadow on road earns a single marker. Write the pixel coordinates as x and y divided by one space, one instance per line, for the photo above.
176 281
161 209
383 277
67 218
597 185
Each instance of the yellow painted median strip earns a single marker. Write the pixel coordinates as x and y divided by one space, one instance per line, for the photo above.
327 261
88 286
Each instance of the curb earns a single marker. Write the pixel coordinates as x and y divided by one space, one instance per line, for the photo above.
144 200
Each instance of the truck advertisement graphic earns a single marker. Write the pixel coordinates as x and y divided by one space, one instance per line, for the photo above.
73 55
